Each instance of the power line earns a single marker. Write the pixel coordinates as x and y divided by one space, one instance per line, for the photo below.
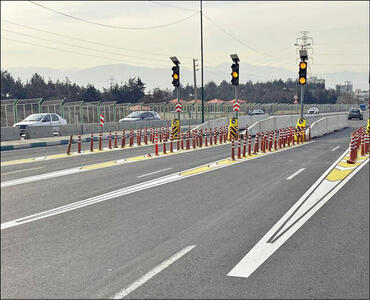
172 6
70 51
81 47
111 26
238 40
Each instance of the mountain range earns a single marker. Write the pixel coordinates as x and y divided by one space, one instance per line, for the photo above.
103 75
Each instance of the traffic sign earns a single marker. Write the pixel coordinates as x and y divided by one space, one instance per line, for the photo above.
178 107
233 129
101 120
236 105
175 126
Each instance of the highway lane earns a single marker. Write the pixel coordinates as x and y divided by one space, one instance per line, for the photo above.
97 250
56 149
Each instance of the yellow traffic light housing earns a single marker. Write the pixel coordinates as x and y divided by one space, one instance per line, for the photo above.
302 79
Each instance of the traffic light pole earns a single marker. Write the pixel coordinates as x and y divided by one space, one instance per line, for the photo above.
302 99
201 54
178 101
236 99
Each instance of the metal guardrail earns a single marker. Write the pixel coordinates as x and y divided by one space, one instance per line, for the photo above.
77 112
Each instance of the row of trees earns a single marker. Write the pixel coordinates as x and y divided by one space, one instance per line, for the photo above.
277 91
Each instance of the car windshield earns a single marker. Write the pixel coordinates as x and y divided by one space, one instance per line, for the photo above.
135 114
35 117
354 110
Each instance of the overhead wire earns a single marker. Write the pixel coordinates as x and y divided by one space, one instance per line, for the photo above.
70 51
112 26
81 47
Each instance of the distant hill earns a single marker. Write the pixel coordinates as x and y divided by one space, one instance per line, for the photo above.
101 76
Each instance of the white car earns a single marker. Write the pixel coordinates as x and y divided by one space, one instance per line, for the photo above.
41 120
313 110
141 116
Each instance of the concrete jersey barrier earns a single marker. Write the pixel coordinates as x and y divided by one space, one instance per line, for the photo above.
328 124
10 133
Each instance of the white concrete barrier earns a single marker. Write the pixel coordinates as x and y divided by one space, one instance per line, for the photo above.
33 132
328 124
10 134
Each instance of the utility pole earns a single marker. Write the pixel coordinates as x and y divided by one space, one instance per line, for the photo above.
304 43
201 56
195 79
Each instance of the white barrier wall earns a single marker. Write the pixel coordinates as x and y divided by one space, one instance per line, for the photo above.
328 124
10 134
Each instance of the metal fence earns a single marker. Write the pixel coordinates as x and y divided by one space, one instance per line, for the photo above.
14 110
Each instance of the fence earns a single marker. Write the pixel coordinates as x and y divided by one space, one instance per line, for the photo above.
88 112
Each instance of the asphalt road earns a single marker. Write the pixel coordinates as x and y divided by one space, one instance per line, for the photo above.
208 221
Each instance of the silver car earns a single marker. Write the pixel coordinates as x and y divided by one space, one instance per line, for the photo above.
141 116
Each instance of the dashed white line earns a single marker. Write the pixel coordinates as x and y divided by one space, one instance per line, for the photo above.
13 172
155 172
295 174
337 147
169 261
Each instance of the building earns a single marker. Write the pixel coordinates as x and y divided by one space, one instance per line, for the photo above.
346 88
362 95
316 80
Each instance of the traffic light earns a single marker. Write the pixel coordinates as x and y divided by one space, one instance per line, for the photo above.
176 76
302 72
235 74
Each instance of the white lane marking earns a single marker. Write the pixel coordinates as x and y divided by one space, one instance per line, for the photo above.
169 261
155 172
124 191
40 177
315 197
337 147
295 174
13 172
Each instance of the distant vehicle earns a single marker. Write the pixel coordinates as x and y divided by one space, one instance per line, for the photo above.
257 112
141 116
41 120
313 110
363 106
355 113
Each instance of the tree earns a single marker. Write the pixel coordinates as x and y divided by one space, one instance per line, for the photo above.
90 93
7 85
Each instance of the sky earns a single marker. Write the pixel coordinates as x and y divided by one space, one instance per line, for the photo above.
260 32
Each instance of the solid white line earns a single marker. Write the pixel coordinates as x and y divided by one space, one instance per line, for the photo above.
337 147
13 172
147 174
312 200
169 261
295 174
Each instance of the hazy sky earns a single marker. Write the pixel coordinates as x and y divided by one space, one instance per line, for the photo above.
340 32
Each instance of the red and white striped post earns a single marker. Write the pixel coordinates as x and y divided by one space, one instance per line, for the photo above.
210 137
115 140
100 141
138 137
205 137
145 136
69 144
123 142
275 140
225 134
249 145
79 143
255 150
110 140
239 148
91 142
232 150
245 146
182 140
156 152
216 133
362 144
352 151
171 144
262 143
164 147
131 137
188 140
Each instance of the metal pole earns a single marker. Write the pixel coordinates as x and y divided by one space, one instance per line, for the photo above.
201 55
302 98
178 101
195 81
236 99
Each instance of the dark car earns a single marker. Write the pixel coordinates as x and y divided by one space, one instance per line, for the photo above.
355 113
